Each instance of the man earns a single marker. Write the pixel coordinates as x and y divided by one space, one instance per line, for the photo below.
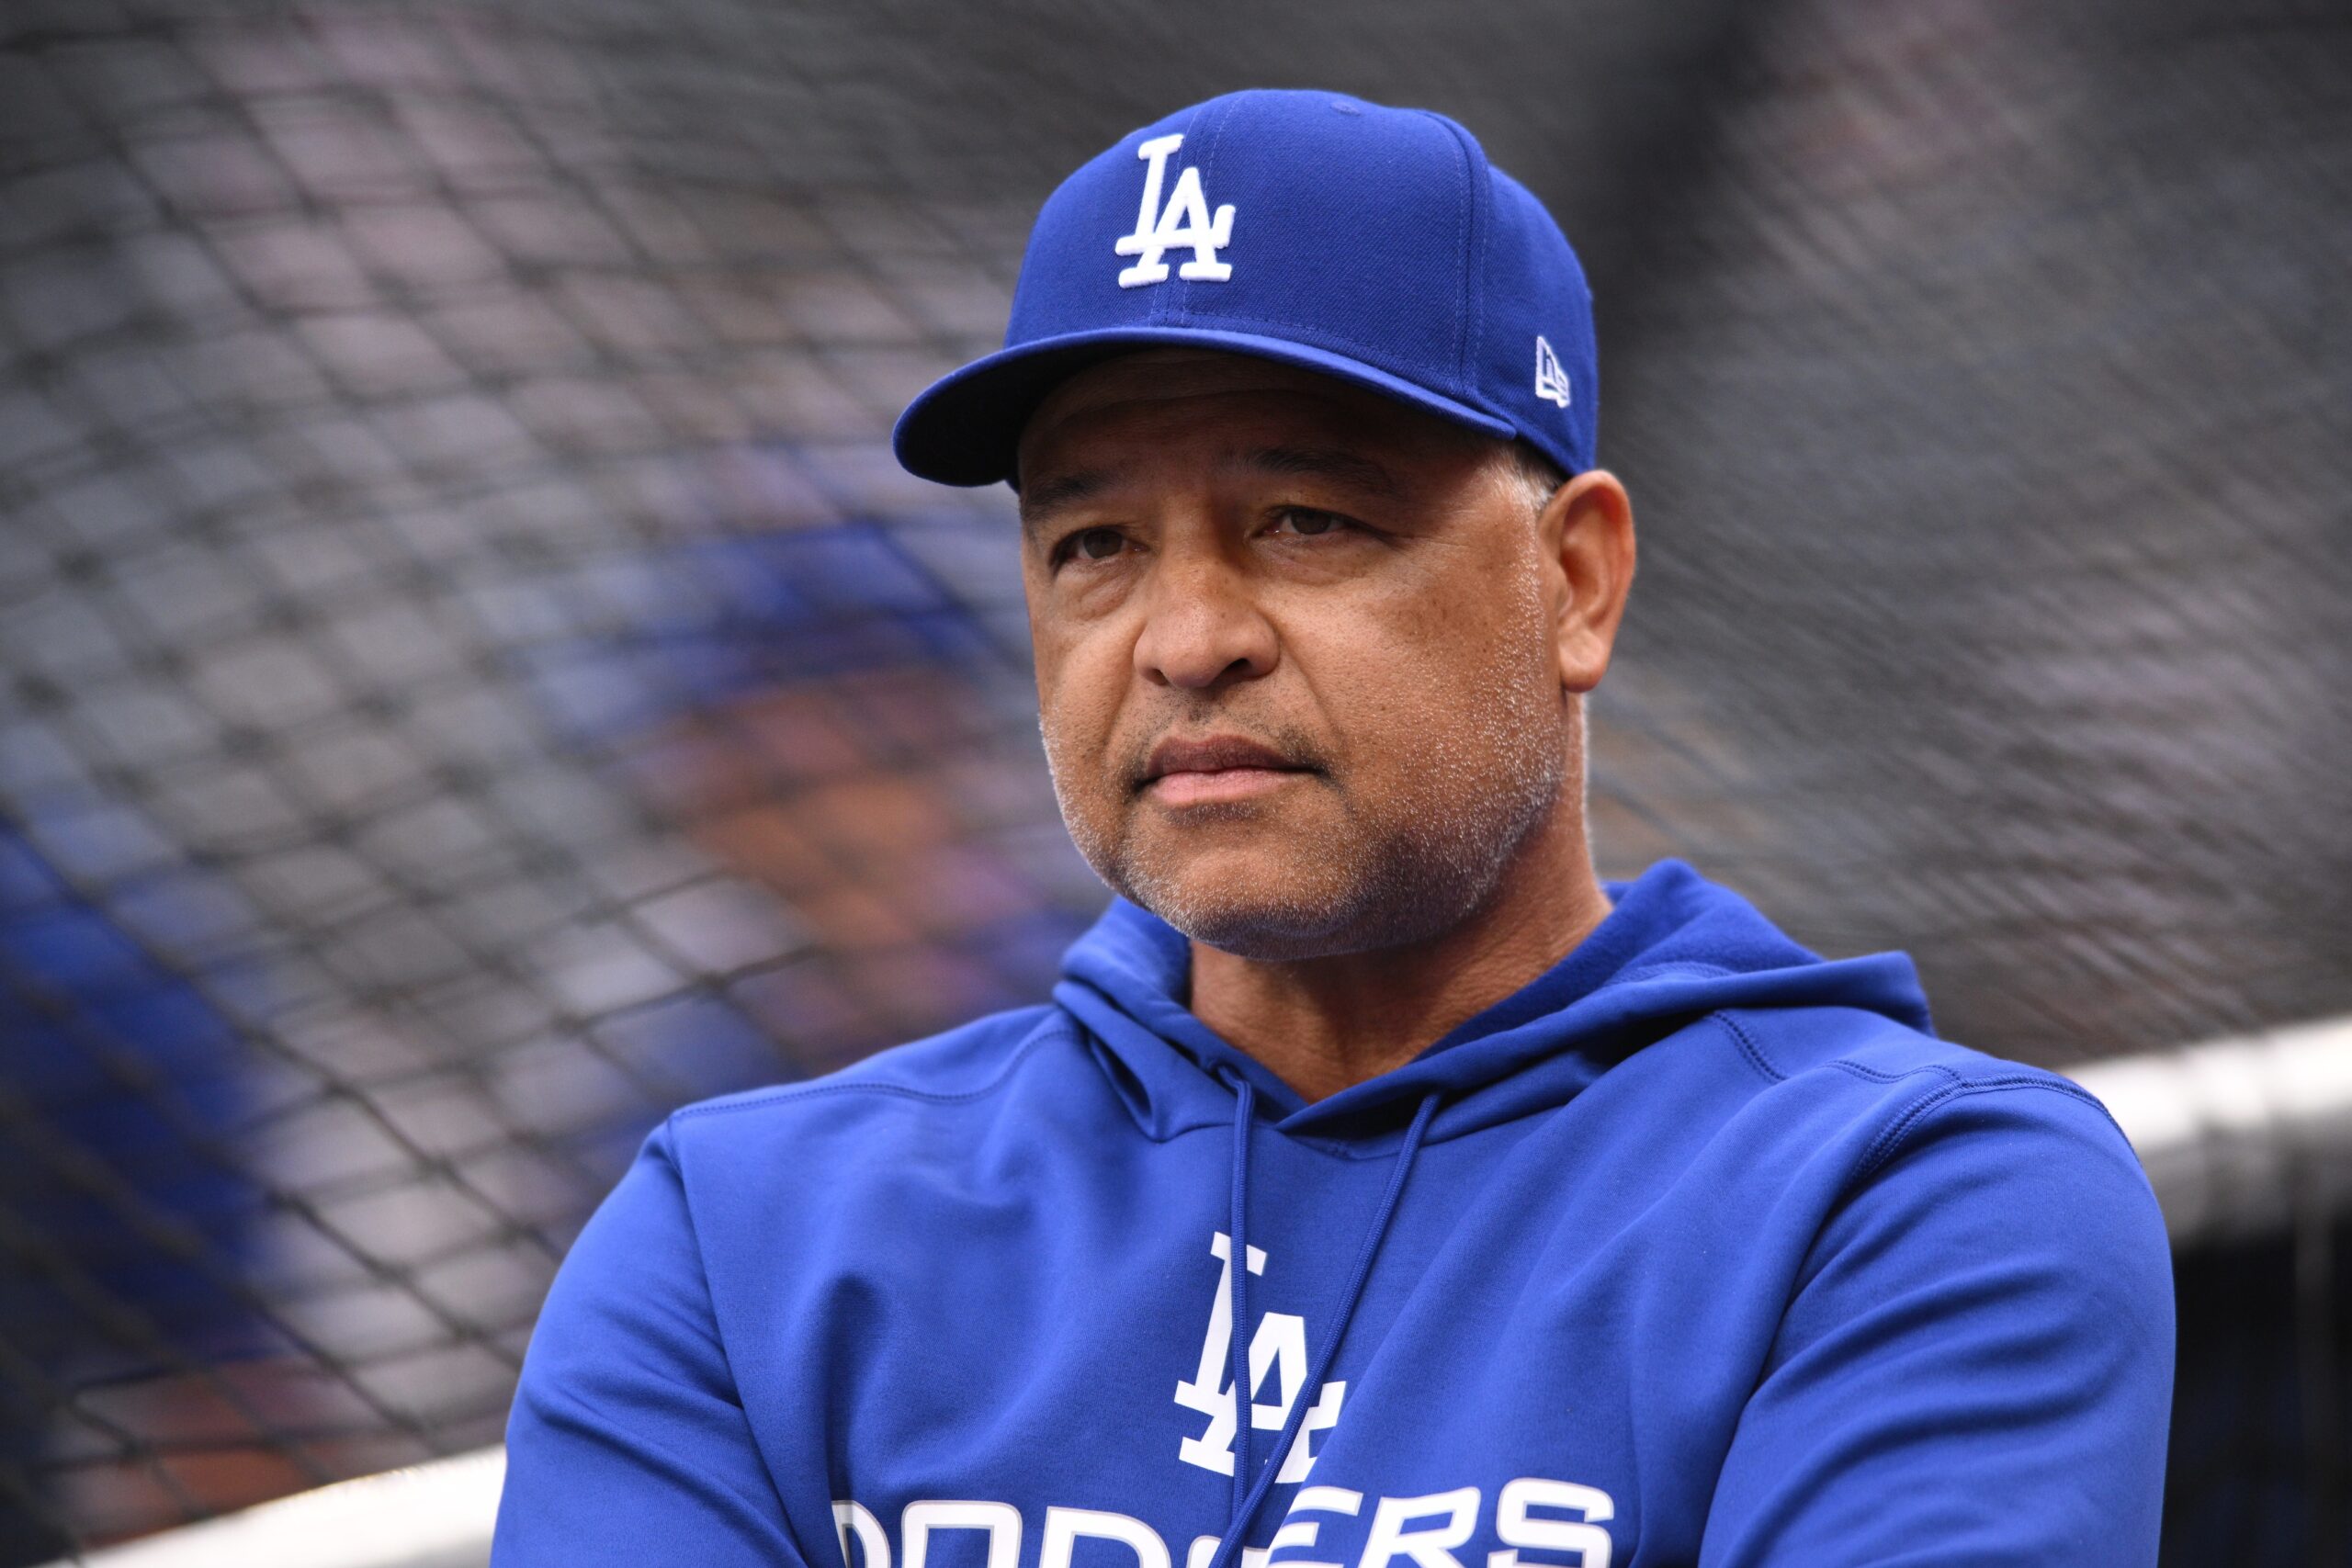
1547 1222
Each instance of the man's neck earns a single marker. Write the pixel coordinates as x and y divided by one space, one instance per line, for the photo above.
1322 1024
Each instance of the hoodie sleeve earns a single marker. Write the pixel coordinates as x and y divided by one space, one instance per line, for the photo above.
1976 1366
626 1443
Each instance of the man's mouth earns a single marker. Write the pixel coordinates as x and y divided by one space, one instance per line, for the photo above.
1215 768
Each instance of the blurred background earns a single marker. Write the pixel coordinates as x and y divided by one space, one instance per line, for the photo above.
472 678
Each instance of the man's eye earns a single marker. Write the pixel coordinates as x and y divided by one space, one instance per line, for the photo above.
1093 544
1310 523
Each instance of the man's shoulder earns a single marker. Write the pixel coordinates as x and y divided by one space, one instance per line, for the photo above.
1886 1085
1853 1147
1833 1048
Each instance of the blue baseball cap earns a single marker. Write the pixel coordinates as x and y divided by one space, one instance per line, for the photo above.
1375 244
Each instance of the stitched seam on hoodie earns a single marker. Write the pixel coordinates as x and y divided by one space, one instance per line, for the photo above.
1882 1148
1754 1051
1021 1053
1750 1049
1874 1075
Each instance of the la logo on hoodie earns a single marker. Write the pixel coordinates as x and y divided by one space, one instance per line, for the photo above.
1697 1249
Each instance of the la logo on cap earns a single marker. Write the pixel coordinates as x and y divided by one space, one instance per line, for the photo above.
1183 222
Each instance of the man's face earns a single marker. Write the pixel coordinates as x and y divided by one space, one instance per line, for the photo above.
1295 670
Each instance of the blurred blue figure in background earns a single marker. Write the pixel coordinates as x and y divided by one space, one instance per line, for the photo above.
125 1217
824 717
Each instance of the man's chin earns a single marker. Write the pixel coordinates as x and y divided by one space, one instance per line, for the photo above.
1250 911
1262 936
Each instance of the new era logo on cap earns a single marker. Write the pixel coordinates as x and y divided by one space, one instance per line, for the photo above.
1373 245
1550 383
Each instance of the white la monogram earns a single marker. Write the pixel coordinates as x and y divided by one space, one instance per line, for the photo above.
1183 222
1279 1346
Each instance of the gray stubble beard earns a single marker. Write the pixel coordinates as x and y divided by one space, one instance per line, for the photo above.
1436 861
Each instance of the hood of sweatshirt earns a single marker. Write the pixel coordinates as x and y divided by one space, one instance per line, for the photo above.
1675 946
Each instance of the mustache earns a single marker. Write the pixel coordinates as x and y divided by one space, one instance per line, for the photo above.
1294 745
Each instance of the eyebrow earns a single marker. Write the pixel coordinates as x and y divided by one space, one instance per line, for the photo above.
1040 501
1352 469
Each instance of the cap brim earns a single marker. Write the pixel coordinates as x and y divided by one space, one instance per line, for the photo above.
963 428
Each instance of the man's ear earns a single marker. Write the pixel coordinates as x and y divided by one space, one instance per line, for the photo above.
1587 528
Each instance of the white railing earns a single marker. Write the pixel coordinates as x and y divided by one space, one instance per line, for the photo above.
2237 1134
427 1515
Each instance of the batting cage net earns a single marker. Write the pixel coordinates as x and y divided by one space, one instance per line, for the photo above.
477 680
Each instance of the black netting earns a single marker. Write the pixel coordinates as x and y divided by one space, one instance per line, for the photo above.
476 679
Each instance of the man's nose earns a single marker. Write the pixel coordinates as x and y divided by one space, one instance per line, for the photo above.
1201 626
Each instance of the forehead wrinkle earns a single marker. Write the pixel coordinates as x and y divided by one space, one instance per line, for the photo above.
1350 468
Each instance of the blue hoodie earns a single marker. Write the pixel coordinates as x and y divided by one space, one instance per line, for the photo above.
1697 1249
